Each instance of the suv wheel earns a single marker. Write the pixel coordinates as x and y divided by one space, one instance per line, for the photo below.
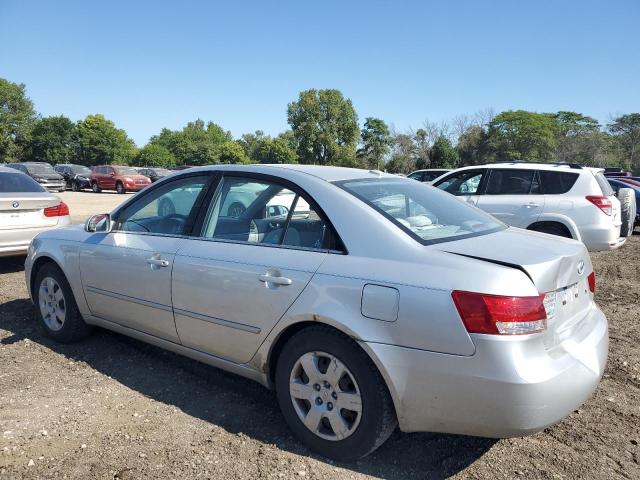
95 187
75 187
332 396
120 188
57 309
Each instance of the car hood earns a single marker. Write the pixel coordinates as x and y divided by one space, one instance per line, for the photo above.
550 262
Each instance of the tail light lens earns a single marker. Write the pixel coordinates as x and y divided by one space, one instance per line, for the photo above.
591 279
603 203
498 315
59 210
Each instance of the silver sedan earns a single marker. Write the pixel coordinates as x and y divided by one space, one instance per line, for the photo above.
390 303
26 209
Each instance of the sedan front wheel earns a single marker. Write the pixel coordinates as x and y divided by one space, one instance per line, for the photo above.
332 396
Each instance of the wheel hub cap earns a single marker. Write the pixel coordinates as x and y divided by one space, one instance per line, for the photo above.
53 306
325 396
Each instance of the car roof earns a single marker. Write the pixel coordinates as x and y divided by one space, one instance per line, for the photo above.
534 166
11 170
330 174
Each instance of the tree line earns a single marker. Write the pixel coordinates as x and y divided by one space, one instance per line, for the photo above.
324 130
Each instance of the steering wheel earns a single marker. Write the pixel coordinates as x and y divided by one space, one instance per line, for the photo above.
175 223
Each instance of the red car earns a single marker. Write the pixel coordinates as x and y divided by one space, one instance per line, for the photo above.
117 177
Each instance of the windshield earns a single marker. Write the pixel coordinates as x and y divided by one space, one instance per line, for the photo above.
426 213
80 170
18 182
126 171
39 168
604 184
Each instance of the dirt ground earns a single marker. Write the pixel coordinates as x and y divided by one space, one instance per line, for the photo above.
111 407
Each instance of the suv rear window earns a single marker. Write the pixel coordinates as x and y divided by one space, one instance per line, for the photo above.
425 213
604 184
555 183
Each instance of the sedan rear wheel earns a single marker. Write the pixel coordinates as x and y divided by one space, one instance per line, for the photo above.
331 394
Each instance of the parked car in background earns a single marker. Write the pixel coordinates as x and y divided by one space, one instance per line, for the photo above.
75 176
618 185
120 178
428 175
43 173
629 180
26 209
435 316
560 199
154 173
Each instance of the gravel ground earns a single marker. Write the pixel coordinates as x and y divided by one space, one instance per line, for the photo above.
112 407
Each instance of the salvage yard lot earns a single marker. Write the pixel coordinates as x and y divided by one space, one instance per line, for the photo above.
112 407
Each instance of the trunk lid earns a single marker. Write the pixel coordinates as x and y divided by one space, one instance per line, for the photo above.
25 210
557 267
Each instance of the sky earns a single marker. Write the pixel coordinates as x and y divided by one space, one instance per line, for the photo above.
152 64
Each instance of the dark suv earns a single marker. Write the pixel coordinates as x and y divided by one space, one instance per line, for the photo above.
75 176
154 173
43 173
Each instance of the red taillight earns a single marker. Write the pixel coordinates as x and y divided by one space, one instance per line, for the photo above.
591 279
59 210
500 315
603 203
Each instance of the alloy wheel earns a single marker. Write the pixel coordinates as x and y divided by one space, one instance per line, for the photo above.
325 396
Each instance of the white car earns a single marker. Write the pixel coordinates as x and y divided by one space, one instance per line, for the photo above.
567 200
26 209
389 303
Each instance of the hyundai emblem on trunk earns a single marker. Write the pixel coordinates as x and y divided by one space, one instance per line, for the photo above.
15 204
580 267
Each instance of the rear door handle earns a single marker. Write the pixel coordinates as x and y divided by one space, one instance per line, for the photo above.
275 280
532 205
158 262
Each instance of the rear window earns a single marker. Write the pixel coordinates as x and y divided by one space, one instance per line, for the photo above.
604 184
18 182
425 213
555 183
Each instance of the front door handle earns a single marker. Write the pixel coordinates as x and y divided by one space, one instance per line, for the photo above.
274 280
157 262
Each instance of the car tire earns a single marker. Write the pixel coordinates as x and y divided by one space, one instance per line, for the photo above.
236 209
56 306
75 187
95 187
120 188
628 207
362 432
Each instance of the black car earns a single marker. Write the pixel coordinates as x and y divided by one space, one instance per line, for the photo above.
75 176
43 173
154 173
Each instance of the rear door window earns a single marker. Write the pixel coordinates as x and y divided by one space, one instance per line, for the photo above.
510 182
556 183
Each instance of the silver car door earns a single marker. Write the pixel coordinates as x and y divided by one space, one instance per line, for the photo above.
126 273
232 286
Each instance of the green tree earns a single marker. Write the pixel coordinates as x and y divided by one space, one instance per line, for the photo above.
54 140
99 141
274 150
422 149
579 137
154 155
196 144
519 134
443 155
376 142
626 131
250 143
471 145
16 120
325 126
403 154
231 151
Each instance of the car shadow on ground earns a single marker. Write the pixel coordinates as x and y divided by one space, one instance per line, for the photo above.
234 403
11 264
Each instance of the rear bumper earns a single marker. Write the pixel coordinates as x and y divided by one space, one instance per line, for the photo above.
17 241
510 387
597 238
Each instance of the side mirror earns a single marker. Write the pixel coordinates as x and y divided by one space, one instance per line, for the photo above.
98 223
